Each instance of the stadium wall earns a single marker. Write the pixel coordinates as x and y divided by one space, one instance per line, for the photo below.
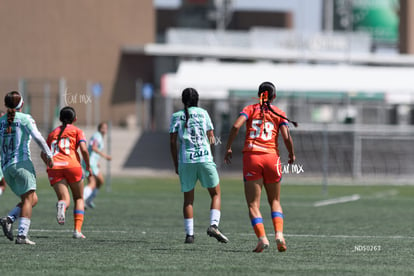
406 27
77 40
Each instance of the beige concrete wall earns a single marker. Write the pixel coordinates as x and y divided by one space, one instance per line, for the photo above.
79 40
406 27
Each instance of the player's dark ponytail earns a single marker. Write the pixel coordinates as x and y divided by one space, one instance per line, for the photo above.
189 98
67 116
267 92
13 101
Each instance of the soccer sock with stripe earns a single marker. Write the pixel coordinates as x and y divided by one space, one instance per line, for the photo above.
78 217
277 218
258 227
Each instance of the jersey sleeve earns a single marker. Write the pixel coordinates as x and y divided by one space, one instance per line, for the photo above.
283 122
80 137
209 124
92 141
30 126
49 138
174 123
246 112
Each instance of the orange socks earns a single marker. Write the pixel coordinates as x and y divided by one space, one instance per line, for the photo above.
277 218
258 227
78 214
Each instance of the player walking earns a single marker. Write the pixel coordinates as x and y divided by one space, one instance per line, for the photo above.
261 161
193 161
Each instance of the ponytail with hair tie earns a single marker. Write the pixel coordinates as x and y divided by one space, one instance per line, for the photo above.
264 100
264 97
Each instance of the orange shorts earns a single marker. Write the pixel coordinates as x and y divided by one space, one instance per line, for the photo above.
71 175
257 165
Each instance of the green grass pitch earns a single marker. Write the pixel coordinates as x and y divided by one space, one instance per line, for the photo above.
137 229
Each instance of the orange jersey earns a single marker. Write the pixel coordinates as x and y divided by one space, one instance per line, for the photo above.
65 151
262 133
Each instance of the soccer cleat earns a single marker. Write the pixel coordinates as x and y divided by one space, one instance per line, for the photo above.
24 240
189 239
61 209
213 231
262 244
89 204
7 226
78 235
280 241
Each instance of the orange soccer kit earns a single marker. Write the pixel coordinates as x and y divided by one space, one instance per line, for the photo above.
66 160
65 155
261 154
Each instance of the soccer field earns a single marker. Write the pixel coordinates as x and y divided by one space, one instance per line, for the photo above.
137 229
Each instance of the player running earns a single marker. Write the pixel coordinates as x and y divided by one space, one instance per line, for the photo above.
261 161
16 130
193 161
96 179
67 170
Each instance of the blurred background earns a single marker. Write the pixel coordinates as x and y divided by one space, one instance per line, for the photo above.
344 69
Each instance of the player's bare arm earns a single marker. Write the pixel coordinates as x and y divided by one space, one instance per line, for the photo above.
233 134
104 155
287 139
173 149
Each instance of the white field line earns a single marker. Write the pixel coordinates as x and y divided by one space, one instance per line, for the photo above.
355 197
337 200
245 234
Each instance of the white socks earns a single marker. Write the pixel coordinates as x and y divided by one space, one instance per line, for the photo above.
189 226
87 191
215 217
214 220
24 225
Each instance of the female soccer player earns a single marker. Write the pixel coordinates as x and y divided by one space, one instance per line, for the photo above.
261 161
15 132
64 142
96 179
193 161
